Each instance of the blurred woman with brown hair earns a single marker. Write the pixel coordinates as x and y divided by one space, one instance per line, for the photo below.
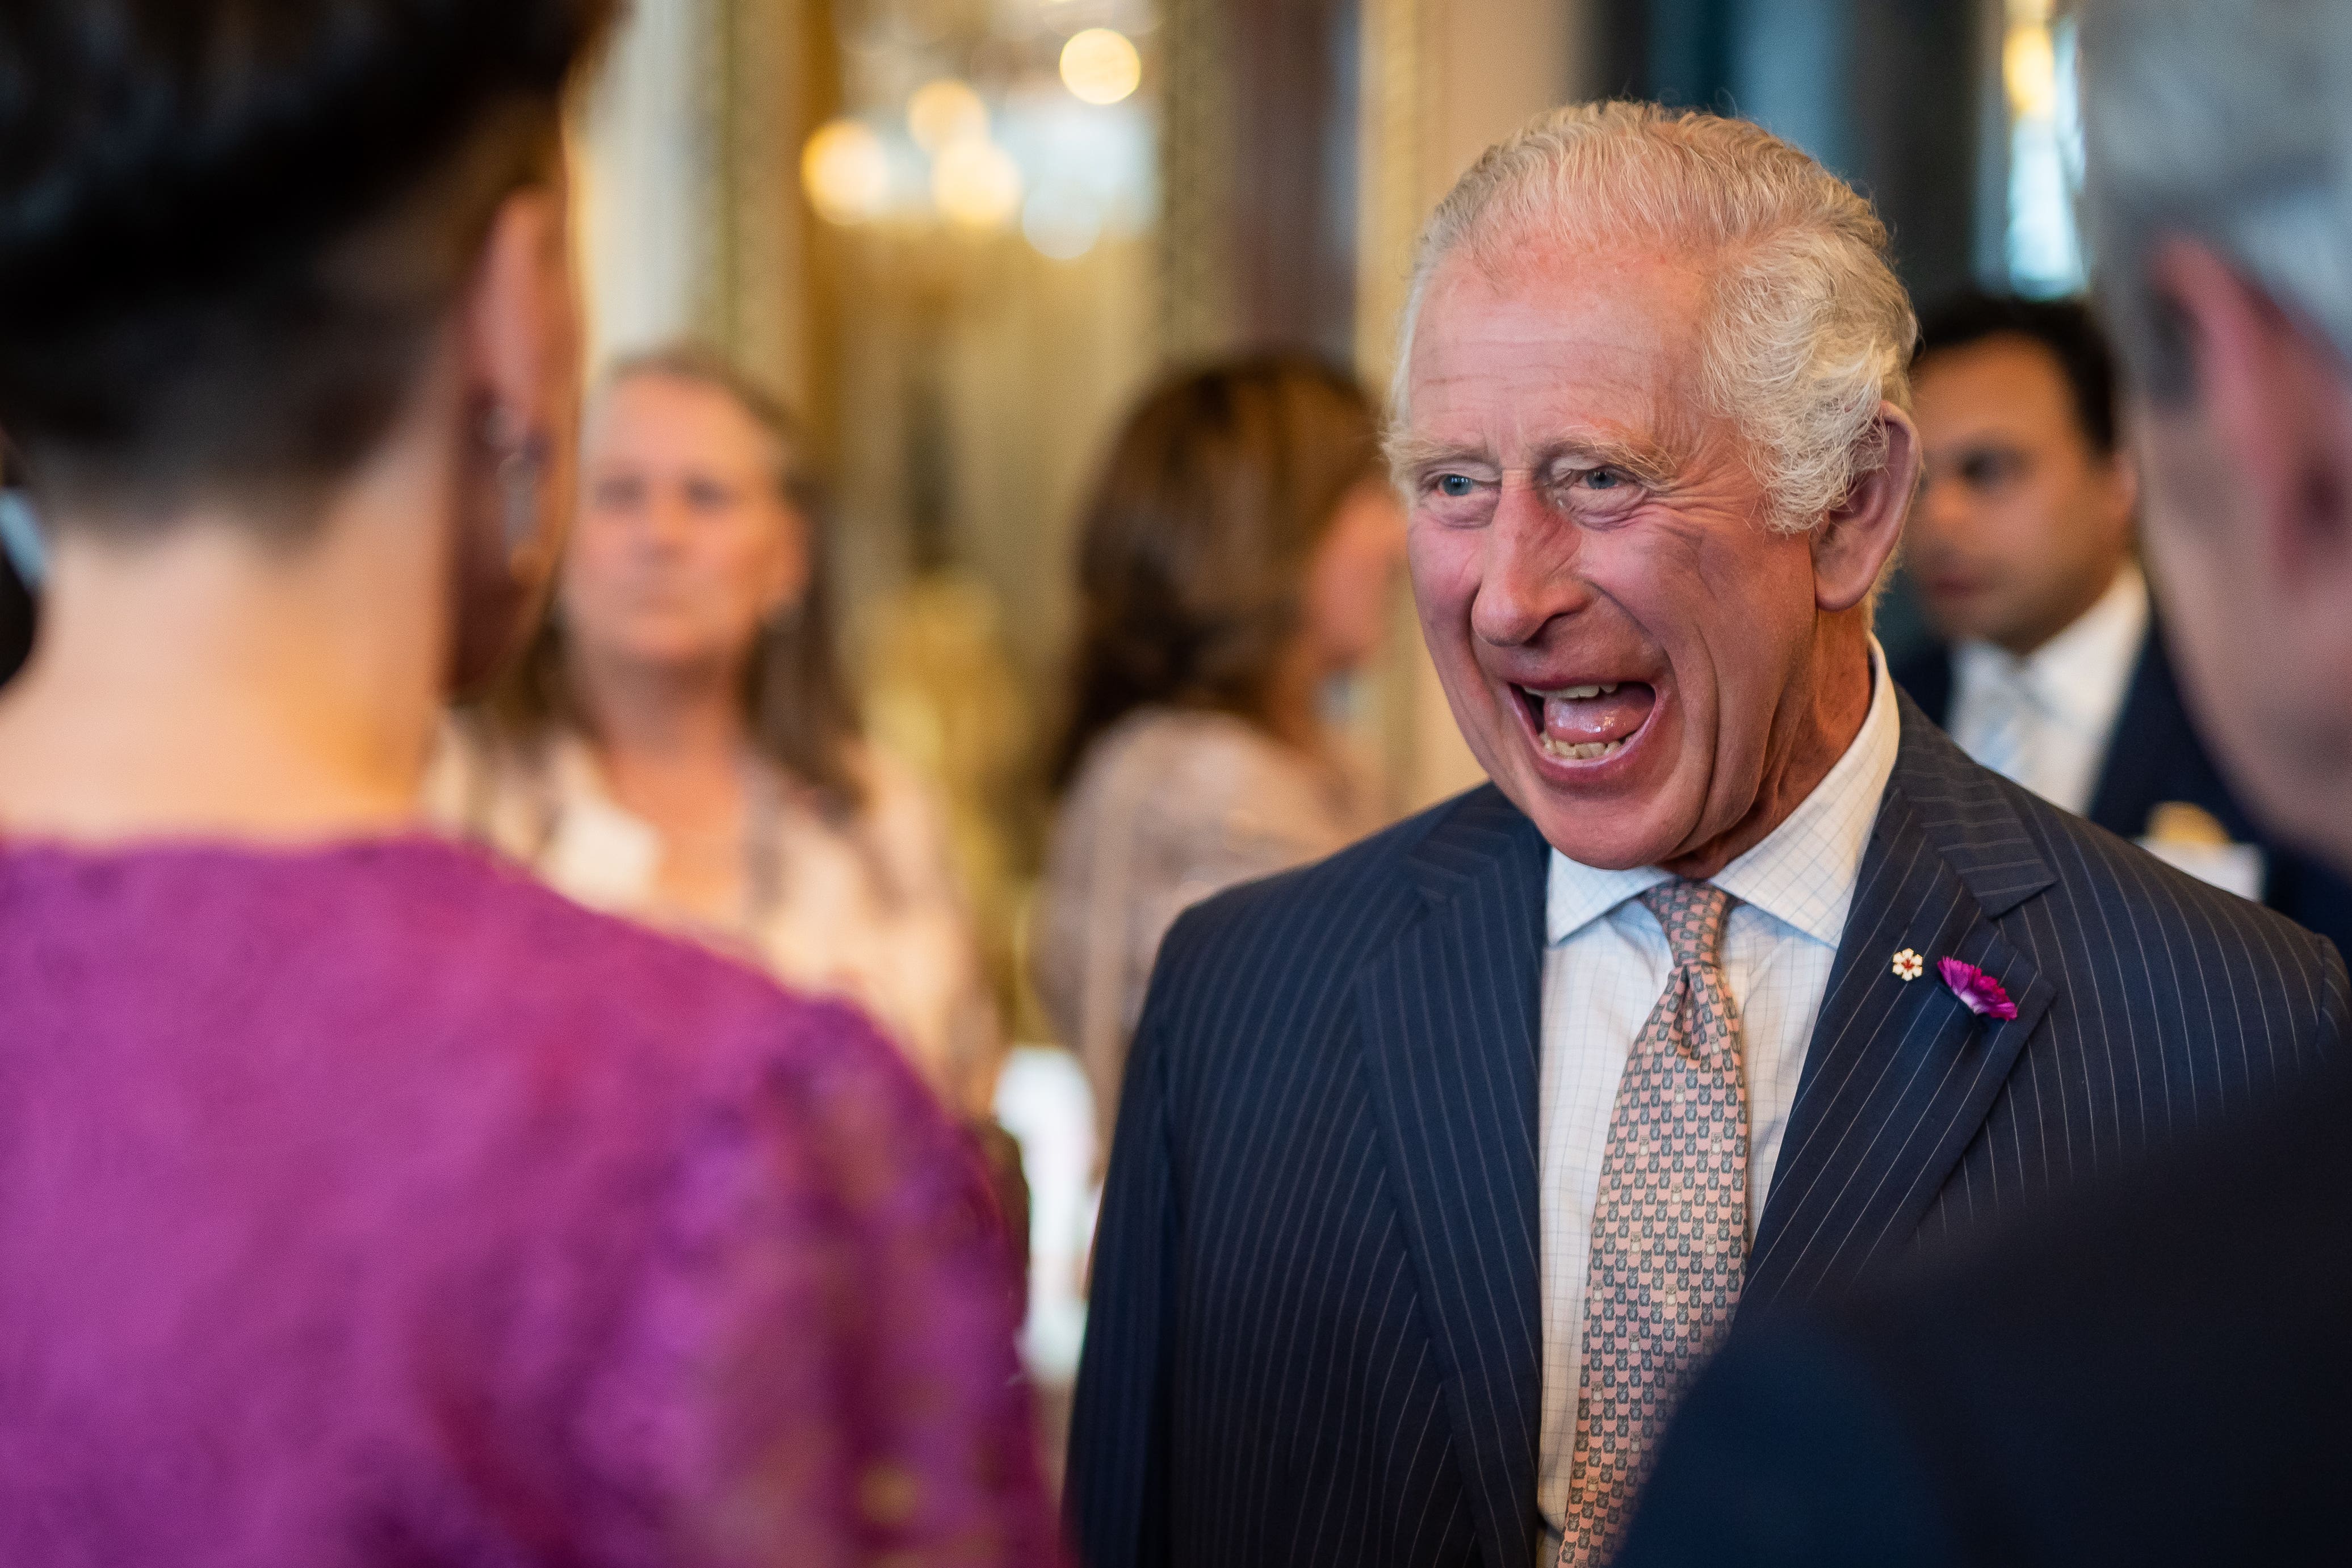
1240 552
678 746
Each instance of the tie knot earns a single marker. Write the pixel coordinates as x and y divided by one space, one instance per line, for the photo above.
1692 914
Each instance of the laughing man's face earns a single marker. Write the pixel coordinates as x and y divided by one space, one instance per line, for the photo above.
1616 626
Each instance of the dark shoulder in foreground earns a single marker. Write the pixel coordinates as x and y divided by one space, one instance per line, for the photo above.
2086 858
2019 851
2152 1373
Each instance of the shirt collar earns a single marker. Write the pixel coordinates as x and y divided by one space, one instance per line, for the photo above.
1802 873
2080 675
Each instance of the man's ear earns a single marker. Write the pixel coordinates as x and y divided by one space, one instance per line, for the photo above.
1853 544
2279 399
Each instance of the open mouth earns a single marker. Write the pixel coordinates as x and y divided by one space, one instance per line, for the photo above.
1588 724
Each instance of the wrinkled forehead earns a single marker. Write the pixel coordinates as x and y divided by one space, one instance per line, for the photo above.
1549 344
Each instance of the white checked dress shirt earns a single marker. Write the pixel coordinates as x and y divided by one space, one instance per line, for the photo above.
2046 721
1605 964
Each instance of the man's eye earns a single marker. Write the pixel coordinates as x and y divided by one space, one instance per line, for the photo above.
1455 485
1600 480
1991 470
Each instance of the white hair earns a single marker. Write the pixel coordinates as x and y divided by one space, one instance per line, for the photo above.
2228 122
1809 331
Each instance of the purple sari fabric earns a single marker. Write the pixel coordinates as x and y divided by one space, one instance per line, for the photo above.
372 1206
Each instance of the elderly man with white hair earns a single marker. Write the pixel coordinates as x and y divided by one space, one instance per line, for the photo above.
2157 1371
1443 1162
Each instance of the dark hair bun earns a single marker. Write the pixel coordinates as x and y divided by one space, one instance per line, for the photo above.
152 146
228 227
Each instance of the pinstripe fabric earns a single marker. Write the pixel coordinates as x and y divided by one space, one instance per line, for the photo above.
1315 1335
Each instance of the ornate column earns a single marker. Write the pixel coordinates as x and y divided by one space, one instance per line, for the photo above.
690 217
1258 193
639 177
750 295
1198 304
1392 189
1440 81
1393 114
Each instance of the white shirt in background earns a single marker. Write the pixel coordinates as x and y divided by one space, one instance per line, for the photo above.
2046 721
1605 966
867 908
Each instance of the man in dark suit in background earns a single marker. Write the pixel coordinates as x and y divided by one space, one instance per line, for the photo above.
1440 1162
2161 1376
2054 672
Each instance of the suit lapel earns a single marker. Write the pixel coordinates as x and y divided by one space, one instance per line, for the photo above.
1900 1075
1898 1082
2154 754
1450 1021
2150 728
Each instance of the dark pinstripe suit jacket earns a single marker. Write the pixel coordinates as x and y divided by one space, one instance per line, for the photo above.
1314 1332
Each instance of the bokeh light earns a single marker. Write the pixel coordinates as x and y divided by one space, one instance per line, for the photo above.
846 172
943 112
2029 68
1099 65
976 183
1061 222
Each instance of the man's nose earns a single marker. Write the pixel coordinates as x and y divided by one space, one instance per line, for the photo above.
1531 573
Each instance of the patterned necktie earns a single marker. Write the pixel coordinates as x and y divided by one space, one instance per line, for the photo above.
1670 1233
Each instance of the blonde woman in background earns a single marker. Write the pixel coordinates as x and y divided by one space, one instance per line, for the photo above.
678 744
1240 553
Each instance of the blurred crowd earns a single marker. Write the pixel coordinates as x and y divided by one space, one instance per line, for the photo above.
341 626
677 741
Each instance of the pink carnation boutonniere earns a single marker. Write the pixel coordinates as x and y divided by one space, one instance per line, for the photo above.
1979 992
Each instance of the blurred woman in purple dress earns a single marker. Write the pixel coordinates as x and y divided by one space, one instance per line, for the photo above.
360 1202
